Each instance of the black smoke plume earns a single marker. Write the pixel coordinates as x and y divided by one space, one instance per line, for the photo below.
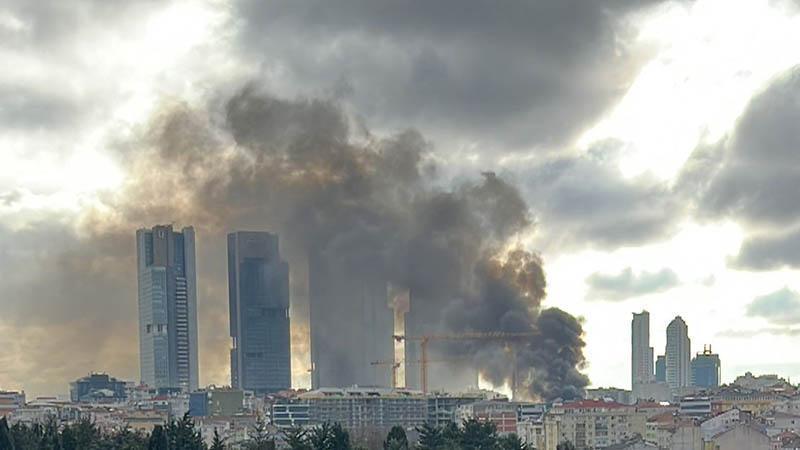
374 205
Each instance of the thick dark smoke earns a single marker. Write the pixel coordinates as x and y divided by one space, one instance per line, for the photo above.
370 205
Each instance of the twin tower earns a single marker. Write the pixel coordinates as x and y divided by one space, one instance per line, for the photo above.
258 283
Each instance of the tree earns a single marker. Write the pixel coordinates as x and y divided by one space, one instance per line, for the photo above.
478 435
50 438
430 437
6 440
25 437
296 438
183 436
218 443
566 445
260 438
396 439
451 436
329 437
158 439
511 442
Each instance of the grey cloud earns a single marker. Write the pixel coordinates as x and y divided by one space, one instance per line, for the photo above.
585 200
760 168
752 176
25 107
780 307
518 74
627 284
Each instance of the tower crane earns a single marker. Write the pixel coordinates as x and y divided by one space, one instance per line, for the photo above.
396 365
424 340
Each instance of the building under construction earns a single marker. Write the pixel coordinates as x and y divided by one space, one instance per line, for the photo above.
351 326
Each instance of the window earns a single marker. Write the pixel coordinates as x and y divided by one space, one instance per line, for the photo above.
149 328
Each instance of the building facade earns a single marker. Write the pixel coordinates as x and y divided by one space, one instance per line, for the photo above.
97 387
641 351
590 424
354 408
661 369
258 293
351 323
678 354
167 307
706 369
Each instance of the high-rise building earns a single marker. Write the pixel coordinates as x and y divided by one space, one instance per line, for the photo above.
706 369
351 324
678 354
167 307
641 351
661 369
258 293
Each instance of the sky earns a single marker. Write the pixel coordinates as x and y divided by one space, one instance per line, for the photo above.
655 143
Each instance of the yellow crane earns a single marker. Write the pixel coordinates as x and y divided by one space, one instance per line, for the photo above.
472 335
394 365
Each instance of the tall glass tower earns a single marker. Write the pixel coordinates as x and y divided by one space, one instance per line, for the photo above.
678 354
258 293
167 308
641 351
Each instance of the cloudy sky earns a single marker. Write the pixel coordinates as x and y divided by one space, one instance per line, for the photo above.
656 143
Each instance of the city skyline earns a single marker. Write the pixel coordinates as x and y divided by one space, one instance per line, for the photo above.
638 156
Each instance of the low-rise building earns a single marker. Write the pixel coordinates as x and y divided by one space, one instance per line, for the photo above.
10 401
358 408
98 388
590 424
739 437
695 407
503 414
613 394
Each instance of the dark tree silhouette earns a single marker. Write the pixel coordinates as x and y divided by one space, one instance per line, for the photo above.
6 440
396 439
218 443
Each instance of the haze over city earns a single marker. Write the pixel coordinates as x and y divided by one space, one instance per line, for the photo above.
546 167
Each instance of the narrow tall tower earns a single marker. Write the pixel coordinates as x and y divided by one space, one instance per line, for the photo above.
641 351
258 293
678 354
167 307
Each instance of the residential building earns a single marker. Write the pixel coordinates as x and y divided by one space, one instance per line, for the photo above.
677 354
614 394
167 307
216 402
706 369
641 351
258 293
721 422
442 406
503 414
760 382
740 437
354 408
590 424
695 407
10 401
98 387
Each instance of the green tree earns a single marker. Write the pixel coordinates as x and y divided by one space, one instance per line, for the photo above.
158 439
329 437
478 435
183 436
25 437
6 440
566 445
396 439
296 438
260 437
430 437
511 442
124 439
68 439
452 436
50 438
218 443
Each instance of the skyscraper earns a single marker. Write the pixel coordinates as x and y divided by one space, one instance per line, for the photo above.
661 369
641 351
258 293
706 369
167 307
678 354
351 324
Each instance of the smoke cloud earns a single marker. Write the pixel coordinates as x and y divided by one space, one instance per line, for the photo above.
373 206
